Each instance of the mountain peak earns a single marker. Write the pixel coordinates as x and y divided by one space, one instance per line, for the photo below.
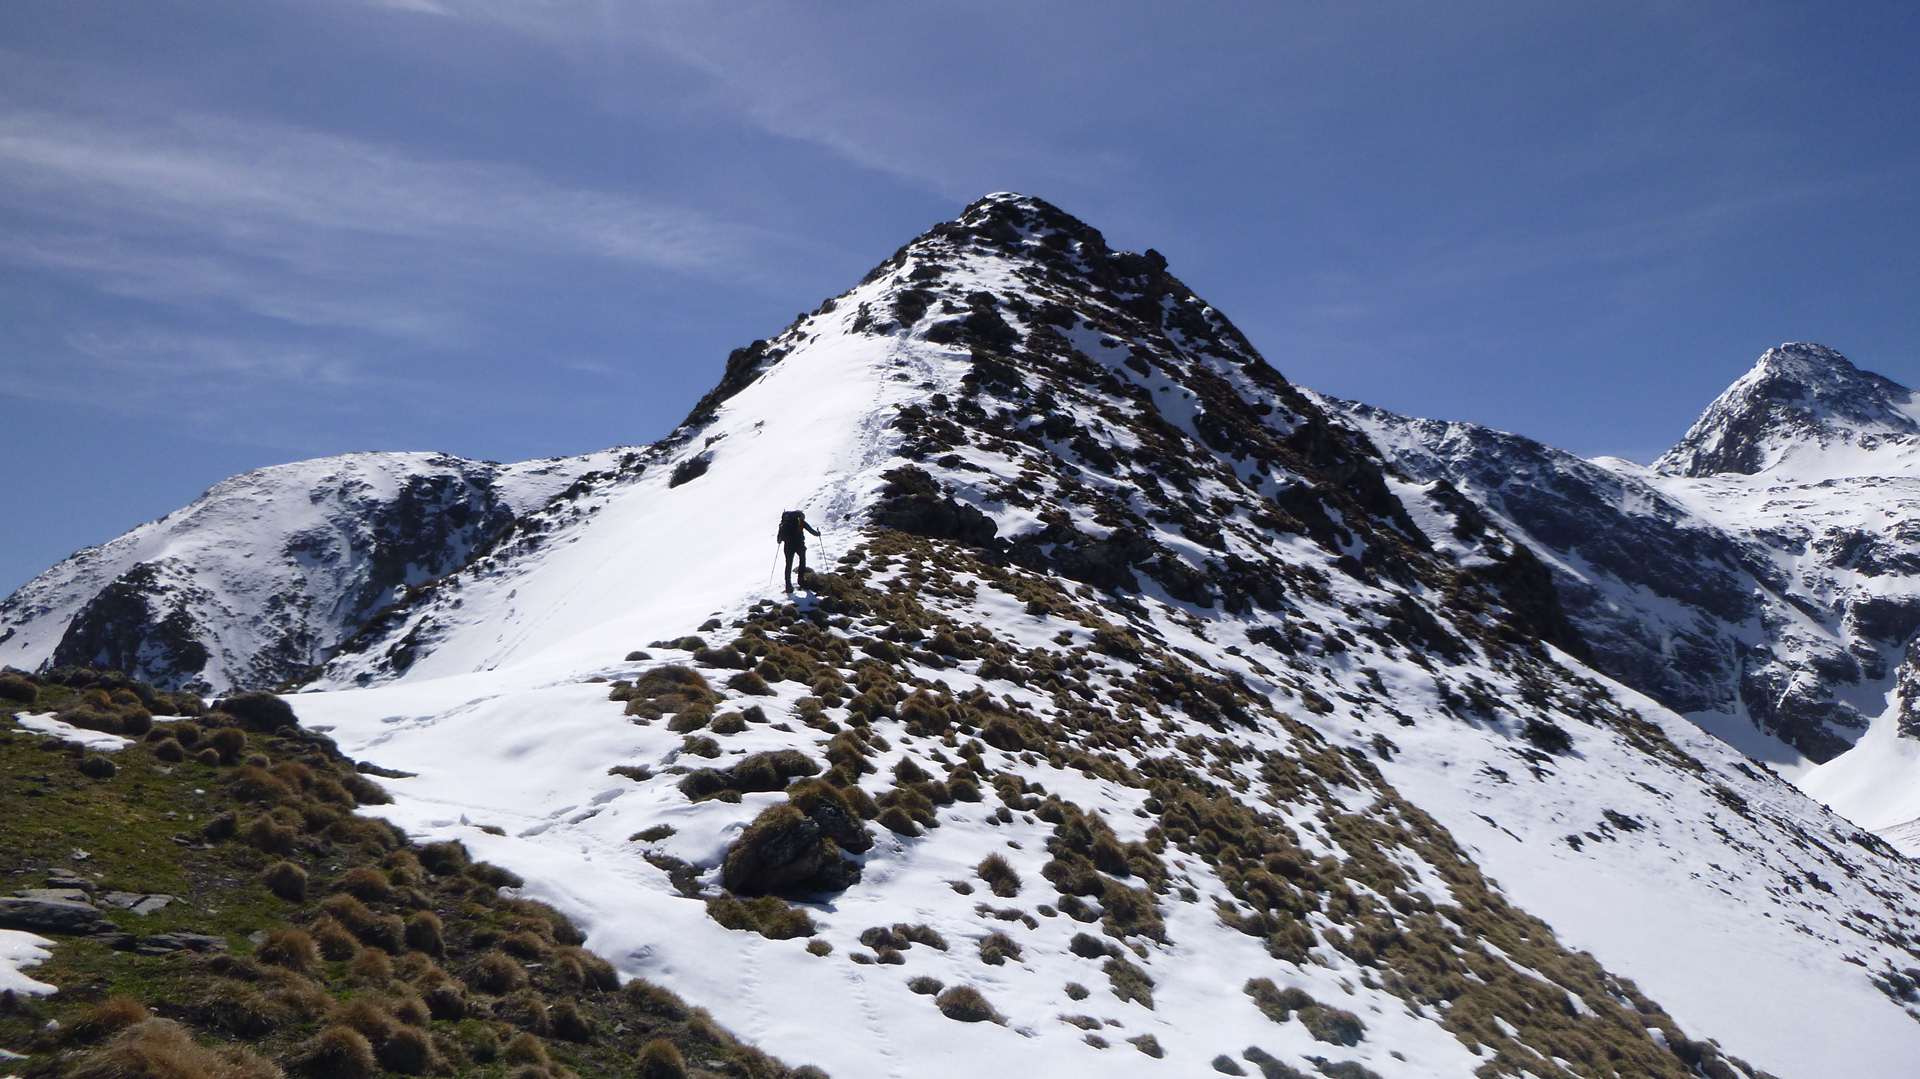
1031 227
1809 362
1799 399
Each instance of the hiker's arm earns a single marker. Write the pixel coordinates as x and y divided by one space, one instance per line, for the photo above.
811 529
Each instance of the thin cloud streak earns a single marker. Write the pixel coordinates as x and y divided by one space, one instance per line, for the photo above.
250 180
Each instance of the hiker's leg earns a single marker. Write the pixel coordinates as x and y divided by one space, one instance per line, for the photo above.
803 566
789 572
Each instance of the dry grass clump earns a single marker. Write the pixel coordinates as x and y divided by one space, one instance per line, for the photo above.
424 932
769 771
265 834
255 784
765 915
750 683
110 1016
261 712
286 880
569 1023
668 690
370 967
384 931
17 689
526 1049
335 942
162 1049
444 859
963 1003
293 949
650 999
335 1051
788 852
659 1059
240 1010
997 948
363 1014
228 743
1128 981
497 973
1149 1045
999 875
408 1051
587 970
365 883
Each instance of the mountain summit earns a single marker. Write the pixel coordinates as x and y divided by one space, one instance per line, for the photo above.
1143 718
1799 400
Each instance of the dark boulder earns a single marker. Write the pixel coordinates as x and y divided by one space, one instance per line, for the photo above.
64 916
913 502
785 852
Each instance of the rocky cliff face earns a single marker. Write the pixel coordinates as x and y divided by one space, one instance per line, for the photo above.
1762 573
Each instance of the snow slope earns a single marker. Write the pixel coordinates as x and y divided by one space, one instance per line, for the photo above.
1169 569
261 577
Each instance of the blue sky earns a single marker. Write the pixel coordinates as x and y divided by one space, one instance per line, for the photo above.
234 234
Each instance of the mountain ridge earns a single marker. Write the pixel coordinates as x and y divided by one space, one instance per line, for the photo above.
182 601
1263 751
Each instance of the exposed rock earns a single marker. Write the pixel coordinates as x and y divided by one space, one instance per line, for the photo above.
138 902
168 943
913 502
61 916
62 879
71 895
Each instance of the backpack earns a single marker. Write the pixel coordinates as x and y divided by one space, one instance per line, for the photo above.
789 528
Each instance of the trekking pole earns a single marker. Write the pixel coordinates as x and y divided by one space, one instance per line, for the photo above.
774 566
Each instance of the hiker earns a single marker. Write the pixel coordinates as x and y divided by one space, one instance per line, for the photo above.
793 537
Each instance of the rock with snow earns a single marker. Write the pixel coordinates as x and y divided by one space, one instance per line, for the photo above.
267 573
1800 408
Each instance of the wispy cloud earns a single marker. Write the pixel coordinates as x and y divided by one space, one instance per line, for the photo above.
263 390
310 227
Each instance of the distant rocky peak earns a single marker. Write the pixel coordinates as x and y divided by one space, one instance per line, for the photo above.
1799 397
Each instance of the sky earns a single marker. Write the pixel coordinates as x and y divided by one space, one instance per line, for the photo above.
234 234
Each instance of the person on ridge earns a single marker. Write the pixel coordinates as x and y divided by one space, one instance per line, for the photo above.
793 537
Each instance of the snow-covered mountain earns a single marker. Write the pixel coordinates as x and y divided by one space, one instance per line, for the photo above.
263 576
1147 722
1802 411
1761 577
